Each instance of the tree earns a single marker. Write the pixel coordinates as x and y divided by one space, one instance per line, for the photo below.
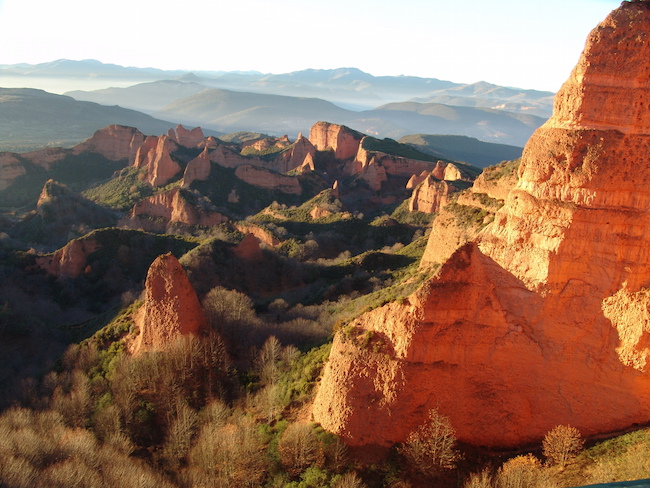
562 444
431 448
299 448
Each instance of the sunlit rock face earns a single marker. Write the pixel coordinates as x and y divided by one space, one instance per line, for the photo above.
541 319
155 156
171 308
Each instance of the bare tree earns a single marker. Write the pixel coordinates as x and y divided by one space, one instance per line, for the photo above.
562 444
299 448
431 448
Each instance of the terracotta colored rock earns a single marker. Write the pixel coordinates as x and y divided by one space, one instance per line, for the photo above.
170 206
46 158
336 190
262 234
171 308
374 174
249 249
299 155
198 169
189 138
415 180
71 260
339 138
431 195
393 165
264 178
542 320
155 156
10 169
115 142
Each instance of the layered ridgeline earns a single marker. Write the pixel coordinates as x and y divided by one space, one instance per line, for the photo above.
542 319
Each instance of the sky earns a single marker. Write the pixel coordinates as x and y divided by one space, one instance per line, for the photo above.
518 43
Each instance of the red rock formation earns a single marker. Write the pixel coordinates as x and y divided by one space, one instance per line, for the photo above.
415 180
71 260
249 249
543 319
187 138
394 165
171 308
299 155
431 195
115 142
170 206
342 140
262 235
45 158
155 156
374 174
197 169
10 169
264 178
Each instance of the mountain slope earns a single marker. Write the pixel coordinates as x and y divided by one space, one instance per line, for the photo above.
462 148
34 118
145 97
481 123
231 111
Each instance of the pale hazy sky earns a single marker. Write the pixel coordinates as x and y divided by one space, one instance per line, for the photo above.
521 43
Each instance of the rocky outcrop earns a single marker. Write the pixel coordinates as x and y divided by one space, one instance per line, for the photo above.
393 165
10 169
264 236
171 308
374 174
198 169
431 195
264 178
71 260
115 142
155 156
173 206
299 155
249 249
185 137
343 141
542 319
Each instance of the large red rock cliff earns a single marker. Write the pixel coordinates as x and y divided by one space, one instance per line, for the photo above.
155 156
171 308
542 319
340 139
115 142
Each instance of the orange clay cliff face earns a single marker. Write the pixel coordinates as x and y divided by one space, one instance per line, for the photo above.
171 308
543 318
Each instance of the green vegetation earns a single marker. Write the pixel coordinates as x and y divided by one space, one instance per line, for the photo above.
391 146
121 192
504 169
467 216
462 148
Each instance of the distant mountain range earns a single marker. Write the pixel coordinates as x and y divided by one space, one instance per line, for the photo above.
384 106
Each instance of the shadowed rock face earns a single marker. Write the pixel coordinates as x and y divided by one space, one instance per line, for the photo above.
542 320
171 308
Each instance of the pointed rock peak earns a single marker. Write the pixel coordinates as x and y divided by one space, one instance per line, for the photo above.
299 136
171 308
608 88
335 190
53 189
